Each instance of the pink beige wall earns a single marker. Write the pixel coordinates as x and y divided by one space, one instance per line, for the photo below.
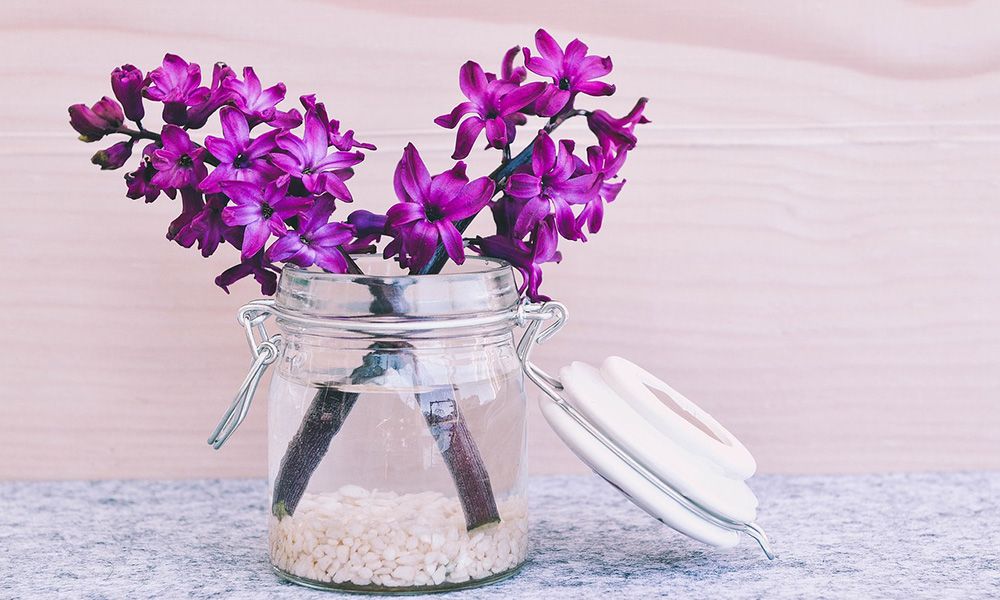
809 242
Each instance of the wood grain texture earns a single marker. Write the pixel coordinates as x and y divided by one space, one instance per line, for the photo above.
808 245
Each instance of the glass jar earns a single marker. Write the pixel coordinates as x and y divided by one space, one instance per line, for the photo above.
396 425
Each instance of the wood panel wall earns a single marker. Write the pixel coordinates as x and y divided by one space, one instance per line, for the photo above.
808 244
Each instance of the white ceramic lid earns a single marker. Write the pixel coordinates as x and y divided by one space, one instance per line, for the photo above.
683 468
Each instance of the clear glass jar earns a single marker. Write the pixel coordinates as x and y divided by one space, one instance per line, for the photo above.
396 424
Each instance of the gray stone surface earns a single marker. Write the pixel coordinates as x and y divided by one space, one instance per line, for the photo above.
887 536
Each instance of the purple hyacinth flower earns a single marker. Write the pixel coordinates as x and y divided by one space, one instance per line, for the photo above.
140 182
428 208
369 228
341 141
526 257
205 225
315 240
240 158
218 95
261 211
617 134
264 272
249 96
308 158
177 84
93 123
572 72
592 215
550 186
495 105
191 204
127 82
180 162
113 157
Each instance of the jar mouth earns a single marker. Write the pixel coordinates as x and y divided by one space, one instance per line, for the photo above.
480 286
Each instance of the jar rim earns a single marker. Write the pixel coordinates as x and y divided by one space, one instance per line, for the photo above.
480 287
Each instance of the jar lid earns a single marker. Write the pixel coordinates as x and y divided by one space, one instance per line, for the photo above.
681 466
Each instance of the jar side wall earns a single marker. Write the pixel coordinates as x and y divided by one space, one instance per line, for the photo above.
382 496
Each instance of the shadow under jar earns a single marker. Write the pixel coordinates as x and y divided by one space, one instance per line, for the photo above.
396 425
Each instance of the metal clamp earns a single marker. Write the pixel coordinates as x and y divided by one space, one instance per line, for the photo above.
265 350
534 315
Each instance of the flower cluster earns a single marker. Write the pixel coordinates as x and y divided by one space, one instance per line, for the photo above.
269 186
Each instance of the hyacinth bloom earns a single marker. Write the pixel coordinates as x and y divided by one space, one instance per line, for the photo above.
191 204
93 123
176 83
598 161
126 83
260 211
550 186
254 101
495 104
114 156
617 134
240 158
180 162
308 157
205 225
341 141
572 71
368 229
315 241
264 272
217 96
526 257
428 208
140 182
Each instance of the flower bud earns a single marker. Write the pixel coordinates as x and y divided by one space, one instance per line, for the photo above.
113 157
90 127
110 111
127 82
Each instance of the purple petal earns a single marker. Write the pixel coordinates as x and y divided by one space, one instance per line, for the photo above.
290 143
332 261
524 186
221 149
452 241
234 126
316 138
543 155
403 214
472 81
286 248
242 192
521 97
552 101
575 52
595 88
254 236
449 184
592 67
547 46
451 119
468 131
421 241
496 132
415 177
473 198
339 160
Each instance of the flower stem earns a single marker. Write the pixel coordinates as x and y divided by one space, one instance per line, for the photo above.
145 134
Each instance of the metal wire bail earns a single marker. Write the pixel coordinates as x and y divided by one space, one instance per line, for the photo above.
265 350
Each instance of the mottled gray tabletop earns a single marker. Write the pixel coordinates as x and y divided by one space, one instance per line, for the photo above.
886 536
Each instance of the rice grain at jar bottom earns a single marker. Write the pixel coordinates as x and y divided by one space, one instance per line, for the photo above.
396 424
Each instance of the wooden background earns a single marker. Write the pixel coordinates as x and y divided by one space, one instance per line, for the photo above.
808 245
